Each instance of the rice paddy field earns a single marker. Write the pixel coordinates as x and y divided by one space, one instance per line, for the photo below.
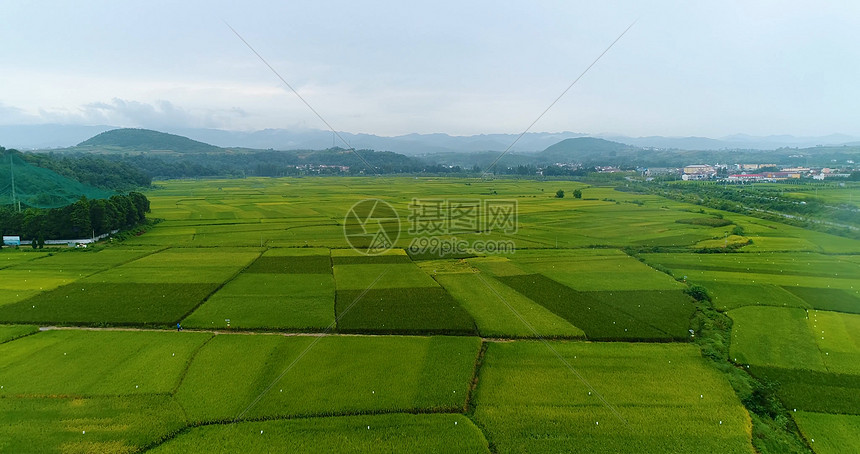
582 338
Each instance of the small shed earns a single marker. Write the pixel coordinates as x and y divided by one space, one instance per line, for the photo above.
11 240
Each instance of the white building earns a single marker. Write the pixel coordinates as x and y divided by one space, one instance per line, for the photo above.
698 172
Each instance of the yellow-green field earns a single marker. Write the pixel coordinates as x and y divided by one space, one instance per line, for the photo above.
585 337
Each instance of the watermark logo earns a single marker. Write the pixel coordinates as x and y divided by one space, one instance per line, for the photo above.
432 217
436 222
371 226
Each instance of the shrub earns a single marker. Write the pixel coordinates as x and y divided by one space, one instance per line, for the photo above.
698 292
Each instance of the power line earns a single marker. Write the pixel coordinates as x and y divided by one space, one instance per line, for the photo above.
278 75
493 164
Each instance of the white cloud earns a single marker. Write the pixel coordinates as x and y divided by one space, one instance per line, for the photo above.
12 115
157 115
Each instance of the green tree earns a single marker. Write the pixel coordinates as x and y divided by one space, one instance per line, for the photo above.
80 217
559 194
141 204
698 292
577 194
33 222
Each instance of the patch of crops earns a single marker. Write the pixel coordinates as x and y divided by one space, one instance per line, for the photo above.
732 295
838 337
669 311
828 299
497 266
682 240
87 425
499 311
93 260
708 222
9 296
231 371
610 269
12 258
12 332
528 400
297 252
339 375
828 433
599 320
311 264
773 336
401 310
26 279
363 374
370 259
87 363
182 265
788 264
96 303
419 255
393 433
395 275
813 390
299 302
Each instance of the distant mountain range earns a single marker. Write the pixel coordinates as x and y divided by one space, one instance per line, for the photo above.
122 158
58 136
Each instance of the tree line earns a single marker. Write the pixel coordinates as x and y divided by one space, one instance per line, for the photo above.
82 219
762 202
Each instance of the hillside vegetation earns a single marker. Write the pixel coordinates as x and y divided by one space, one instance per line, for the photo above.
40 187
147 140
91 170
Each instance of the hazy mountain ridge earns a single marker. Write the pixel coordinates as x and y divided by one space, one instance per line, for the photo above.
586 151
58 136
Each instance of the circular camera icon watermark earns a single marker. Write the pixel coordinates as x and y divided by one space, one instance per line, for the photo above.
371 226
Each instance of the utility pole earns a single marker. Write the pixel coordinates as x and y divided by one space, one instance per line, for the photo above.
12 173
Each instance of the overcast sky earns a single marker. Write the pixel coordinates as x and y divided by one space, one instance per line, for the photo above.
709 68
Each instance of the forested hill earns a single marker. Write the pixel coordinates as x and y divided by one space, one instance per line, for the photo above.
146 140
583 148
92 170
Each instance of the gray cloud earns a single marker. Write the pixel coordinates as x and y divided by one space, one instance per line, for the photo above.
158 115
686 68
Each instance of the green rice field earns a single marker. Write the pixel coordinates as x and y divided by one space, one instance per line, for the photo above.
607 398
586 337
